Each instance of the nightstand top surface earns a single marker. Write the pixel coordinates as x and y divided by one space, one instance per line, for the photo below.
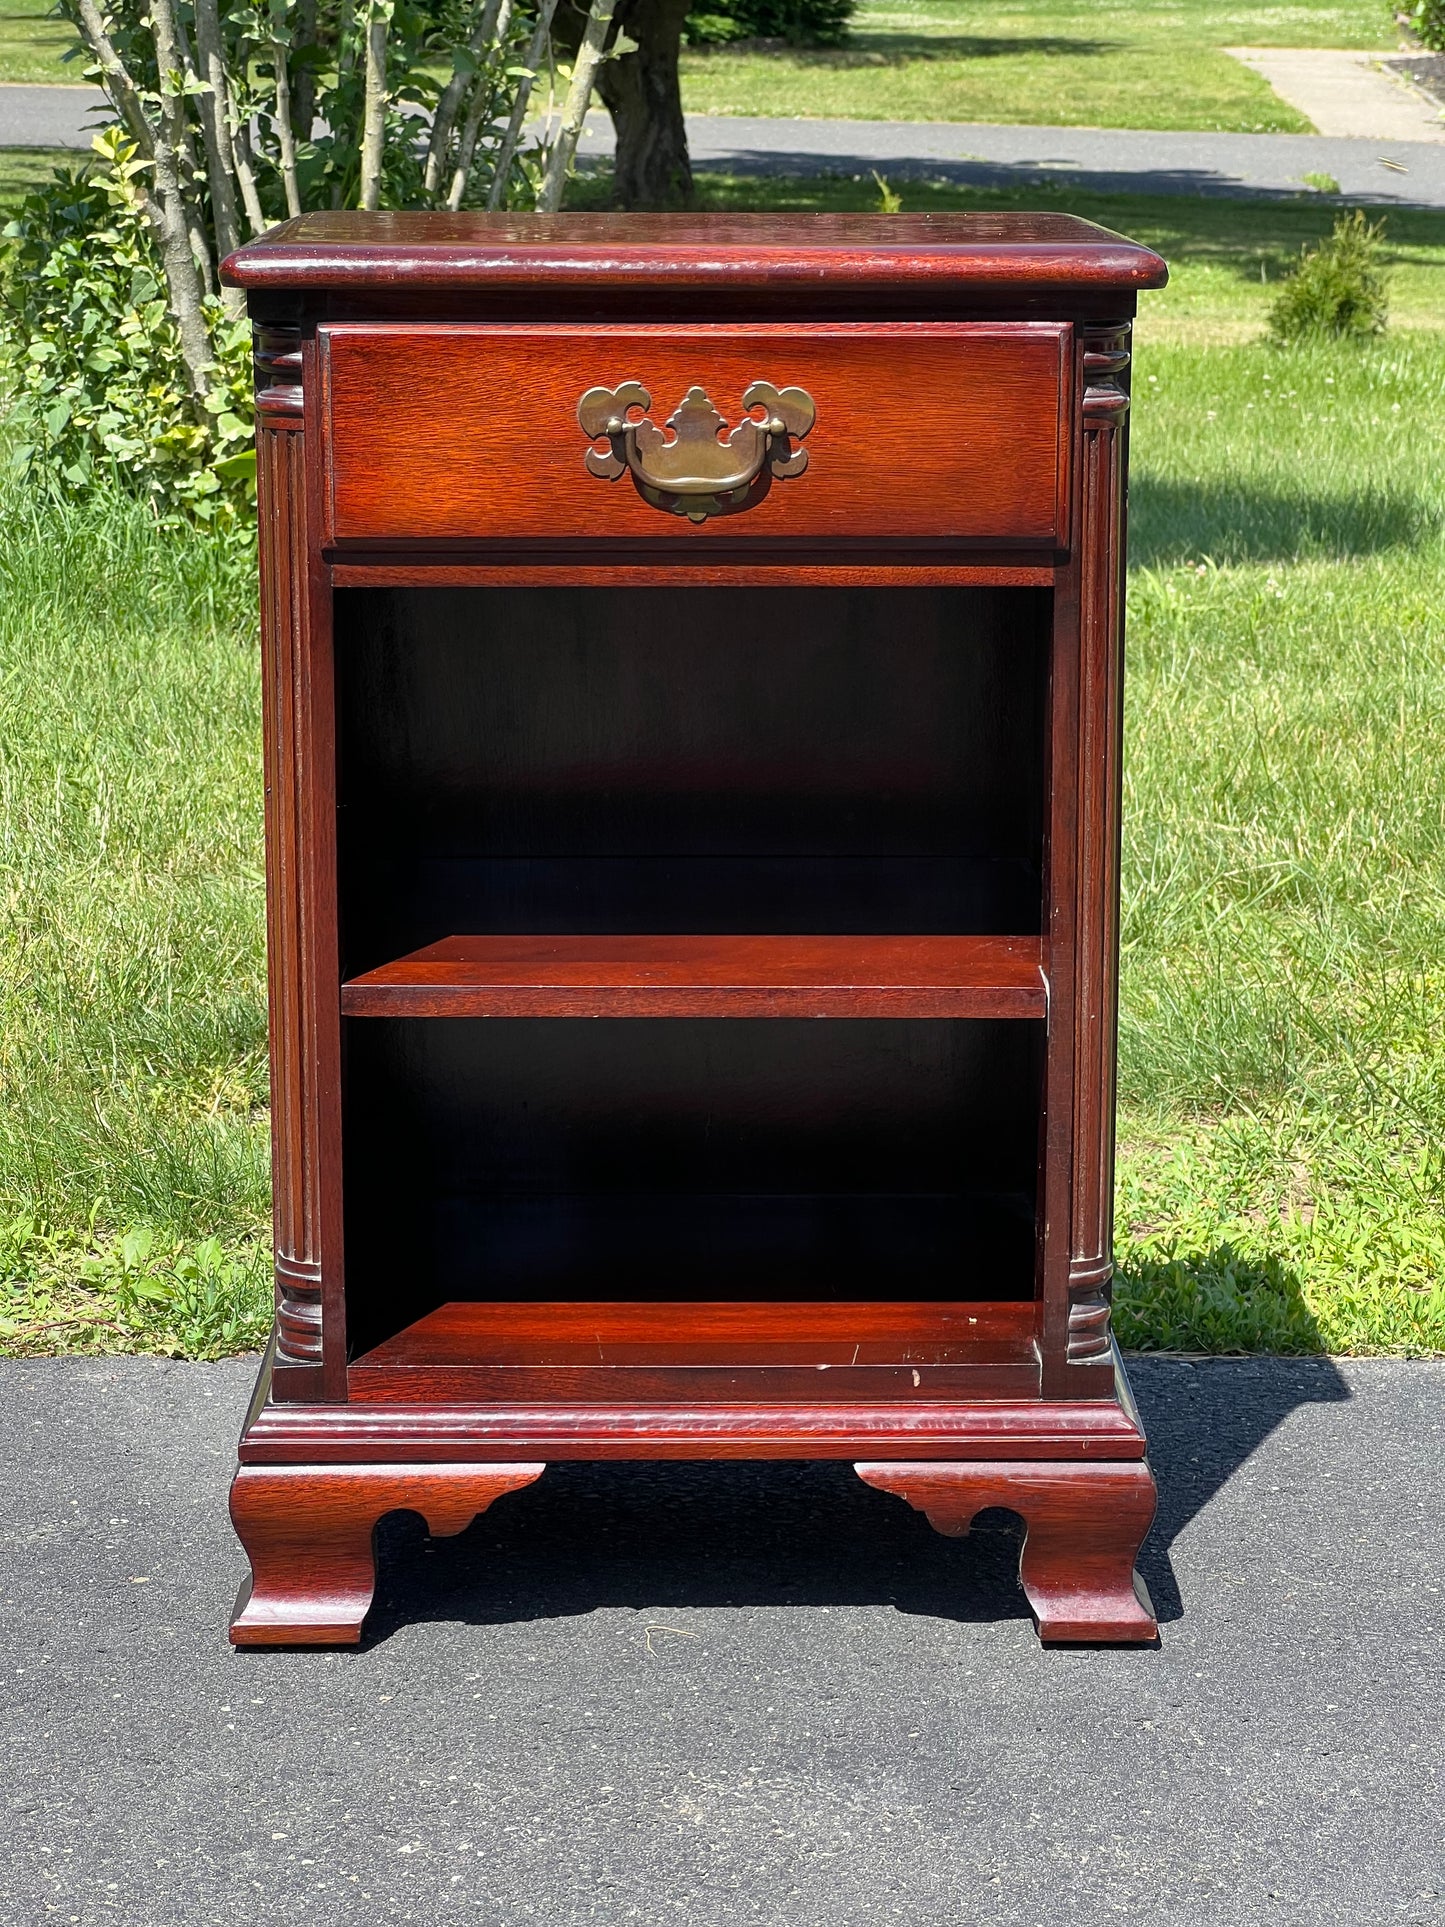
867 253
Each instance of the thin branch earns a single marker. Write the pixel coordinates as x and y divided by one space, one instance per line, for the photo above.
304 83
506 153
177 73
345 62
242 156
483 95
590 56
449 105
165 210
220 162
285 134
115 77
373 124
183 275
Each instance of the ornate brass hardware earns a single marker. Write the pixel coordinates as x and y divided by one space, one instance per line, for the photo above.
695 474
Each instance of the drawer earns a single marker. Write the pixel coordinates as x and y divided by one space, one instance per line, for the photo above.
909 433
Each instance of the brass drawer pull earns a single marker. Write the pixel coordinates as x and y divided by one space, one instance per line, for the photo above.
695 474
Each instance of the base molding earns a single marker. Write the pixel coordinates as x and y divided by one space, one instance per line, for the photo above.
1084 1525
308 1532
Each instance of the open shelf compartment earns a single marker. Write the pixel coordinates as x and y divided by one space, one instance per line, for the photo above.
669 807
712 1351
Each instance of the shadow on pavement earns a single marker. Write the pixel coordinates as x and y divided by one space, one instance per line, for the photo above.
664 1538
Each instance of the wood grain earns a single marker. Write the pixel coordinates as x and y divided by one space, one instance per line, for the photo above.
929 431
706 1352
1084 1525
815 263
577 567
289 755
738 1330
1105 361
362 1431
708 977
307 1531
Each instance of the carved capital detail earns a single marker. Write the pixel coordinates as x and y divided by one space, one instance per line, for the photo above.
1106 367
298 1312
1091 1297
276 359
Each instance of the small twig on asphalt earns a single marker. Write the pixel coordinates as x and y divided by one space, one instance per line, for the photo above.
681 1632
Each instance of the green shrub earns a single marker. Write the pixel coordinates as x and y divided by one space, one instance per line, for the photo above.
1338 287
797 23
1426 20
129 1291
91 356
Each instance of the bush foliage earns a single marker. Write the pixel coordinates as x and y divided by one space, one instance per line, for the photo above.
123 357
796 23
1427 21
92 358
1338 287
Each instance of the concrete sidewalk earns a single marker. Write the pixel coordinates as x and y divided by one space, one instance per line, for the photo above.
1387 173
730 1696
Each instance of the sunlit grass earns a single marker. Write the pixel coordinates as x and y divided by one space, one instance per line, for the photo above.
1045 63
1282 1062
132 1029
33 44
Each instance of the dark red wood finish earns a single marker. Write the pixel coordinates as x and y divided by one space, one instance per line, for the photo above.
1084 1525
418 379
645 266
497 415
308 1535
708 977
710 1353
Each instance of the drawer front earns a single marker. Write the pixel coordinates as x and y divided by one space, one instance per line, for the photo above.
920 432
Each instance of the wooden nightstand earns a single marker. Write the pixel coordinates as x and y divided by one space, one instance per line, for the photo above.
692 695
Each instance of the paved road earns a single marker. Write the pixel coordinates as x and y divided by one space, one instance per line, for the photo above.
1142 163
50 116
730 1696
1102 158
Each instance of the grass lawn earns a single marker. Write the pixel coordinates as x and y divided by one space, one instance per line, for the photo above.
22 168
1057 63
32 44
1282 1064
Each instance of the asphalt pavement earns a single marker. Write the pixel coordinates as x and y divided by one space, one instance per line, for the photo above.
1399 172
730 1696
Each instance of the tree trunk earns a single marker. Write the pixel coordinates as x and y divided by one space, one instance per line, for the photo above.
642 94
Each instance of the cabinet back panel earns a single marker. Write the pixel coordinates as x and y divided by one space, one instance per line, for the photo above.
512 1158
730 759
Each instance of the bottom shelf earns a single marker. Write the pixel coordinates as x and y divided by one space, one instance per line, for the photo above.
711 1352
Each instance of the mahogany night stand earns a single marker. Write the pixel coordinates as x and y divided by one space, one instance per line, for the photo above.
691 653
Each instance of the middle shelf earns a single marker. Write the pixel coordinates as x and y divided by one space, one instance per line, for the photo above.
708 976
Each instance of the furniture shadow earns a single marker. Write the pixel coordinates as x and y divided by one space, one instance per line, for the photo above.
903 49
659 1536
1173 521
1204 1419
